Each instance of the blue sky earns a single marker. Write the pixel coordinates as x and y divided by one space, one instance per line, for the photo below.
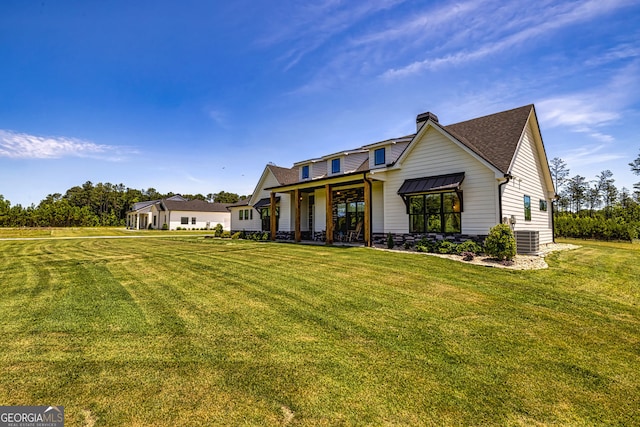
197 96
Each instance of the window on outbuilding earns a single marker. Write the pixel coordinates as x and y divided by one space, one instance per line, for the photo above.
193 220
184 220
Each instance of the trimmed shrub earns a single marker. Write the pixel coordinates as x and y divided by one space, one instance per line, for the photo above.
501 243
390 242
469 246
446 247
217 231
165 226
426 245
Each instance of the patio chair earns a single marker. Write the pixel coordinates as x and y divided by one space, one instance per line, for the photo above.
355 234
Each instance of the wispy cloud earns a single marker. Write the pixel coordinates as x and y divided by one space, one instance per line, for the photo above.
592 112
17 145
596 107
220 117
316 23
506 28
620 52
591 155
419 27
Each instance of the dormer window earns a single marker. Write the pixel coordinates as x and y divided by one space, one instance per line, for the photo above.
335 166
379 157
305 172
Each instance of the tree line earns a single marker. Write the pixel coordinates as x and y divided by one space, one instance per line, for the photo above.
595 208
584 208
90 205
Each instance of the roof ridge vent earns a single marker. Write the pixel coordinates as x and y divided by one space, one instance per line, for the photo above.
421 119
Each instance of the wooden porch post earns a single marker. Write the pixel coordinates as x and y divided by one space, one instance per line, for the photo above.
367 212
298 234
272 216
329 213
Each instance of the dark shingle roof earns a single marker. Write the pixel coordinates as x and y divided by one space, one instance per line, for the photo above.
243 202
194 206
494 137
284 175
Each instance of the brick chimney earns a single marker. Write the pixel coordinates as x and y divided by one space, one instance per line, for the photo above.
422 119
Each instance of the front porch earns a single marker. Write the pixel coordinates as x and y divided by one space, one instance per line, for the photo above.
336 211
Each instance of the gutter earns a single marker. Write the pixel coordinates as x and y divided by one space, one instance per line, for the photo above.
508 178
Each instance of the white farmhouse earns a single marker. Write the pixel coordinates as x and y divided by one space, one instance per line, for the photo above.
444 181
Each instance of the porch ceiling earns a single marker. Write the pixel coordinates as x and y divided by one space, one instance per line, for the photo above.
347 179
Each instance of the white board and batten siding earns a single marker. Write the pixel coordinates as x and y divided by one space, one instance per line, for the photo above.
320 218
377 207
436 154
528 179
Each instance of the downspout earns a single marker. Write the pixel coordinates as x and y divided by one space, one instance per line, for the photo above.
553 218
508 178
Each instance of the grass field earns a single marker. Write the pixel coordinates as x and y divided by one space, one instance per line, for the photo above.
192 331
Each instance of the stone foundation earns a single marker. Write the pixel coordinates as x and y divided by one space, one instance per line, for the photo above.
412 239
399 239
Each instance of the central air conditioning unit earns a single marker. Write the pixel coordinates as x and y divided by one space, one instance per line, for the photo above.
528 242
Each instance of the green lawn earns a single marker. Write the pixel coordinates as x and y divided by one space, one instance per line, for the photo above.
192 331
69 232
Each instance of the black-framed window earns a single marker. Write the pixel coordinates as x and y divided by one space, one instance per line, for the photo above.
379 156
241 214
193 220
527 208
305 172
335 166
184 220
265 216
543 205
435 213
